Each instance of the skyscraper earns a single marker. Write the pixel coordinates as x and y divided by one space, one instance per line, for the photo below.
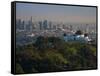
45 24
40 25
50 25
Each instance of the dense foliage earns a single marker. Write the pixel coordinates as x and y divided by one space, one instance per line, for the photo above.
49 54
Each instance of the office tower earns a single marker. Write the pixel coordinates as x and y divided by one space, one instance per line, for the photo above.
23 24
45 24
30 28
50 25
86 30
18 24
64 26
40 25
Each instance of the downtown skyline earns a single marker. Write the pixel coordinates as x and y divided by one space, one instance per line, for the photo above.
56 13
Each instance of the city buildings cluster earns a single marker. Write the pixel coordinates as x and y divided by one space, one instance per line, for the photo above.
49 28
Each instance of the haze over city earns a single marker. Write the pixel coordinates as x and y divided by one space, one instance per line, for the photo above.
56 13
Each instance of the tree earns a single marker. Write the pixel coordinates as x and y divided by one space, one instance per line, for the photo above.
19 68
79 32
40 43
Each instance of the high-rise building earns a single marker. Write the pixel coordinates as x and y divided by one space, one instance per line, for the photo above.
23 23
18 24
64 26
30 24
45 24
50 25
40 25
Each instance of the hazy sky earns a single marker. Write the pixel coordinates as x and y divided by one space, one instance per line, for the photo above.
58 13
